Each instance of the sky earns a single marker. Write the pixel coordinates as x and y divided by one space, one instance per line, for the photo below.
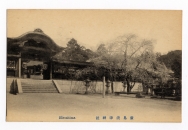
93 27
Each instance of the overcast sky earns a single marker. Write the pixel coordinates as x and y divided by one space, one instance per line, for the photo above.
92 27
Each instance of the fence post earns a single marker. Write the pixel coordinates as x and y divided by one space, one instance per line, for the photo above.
103 86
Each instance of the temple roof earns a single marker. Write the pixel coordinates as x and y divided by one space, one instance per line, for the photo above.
38 36
33 42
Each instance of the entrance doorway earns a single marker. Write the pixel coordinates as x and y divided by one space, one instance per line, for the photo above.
33 69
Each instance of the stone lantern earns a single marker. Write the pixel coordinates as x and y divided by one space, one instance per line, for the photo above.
87 84
153 87
149 87
108 82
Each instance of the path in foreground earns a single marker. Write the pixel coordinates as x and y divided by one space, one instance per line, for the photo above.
49 106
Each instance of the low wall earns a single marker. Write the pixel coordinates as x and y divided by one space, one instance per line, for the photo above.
68 86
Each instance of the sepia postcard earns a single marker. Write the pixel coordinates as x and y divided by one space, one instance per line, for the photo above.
94 65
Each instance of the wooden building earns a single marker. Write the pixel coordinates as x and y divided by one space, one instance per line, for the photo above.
31 56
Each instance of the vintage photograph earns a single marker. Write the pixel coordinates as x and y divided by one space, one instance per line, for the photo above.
94 65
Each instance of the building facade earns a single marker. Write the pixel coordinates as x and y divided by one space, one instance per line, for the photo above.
31 56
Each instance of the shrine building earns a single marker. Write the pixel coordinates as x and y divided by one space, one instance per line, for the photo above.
31 56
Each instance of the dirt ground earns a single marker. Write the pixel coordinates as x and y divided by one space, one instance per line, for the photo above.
76 107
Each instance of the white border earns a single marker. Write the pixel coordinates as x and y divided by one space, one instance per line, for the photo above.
90 4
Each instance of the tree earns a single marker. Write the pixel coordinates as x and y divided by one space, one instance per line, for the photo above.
75 52
176 67
101 50
131 49
173 61
133 56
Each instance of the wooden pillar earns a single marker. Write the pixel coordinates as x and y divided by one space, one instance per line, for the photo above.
19 65
17 68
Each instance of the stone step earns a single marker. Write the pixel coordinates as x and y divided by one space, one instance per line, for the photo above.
36 82
49 86
38 89
47 81
40 92
38 86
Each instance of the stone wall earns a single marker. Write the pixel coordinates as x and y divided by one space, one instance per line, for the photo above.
68 86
